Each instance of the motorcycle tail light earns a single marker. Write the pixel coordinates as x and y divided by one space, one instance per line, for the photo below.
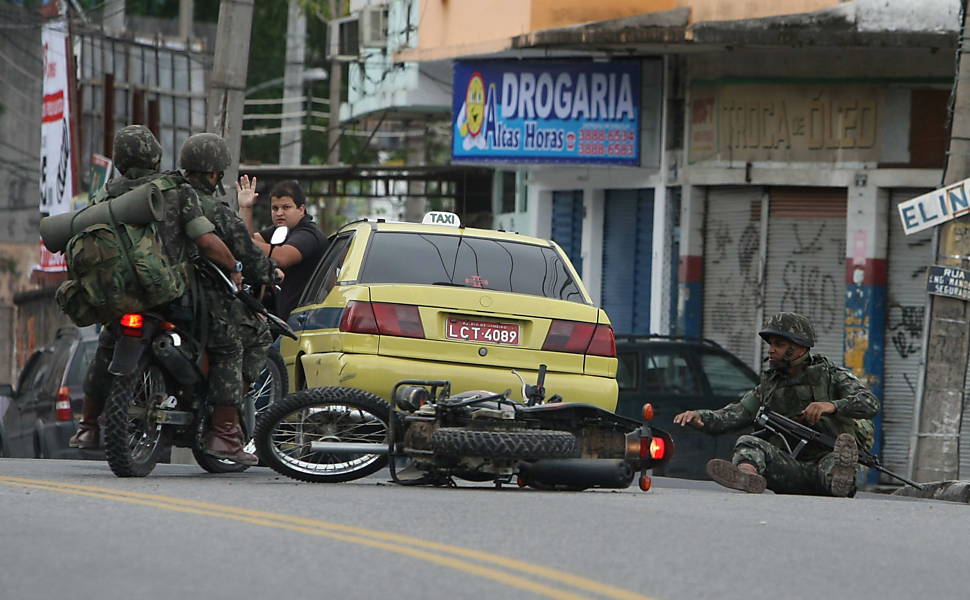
654 448
62 405
568 336
132 320
131 324
648 412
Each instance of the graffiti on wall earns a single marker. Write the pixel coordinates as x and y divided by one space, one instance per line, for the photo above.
736 287
808 286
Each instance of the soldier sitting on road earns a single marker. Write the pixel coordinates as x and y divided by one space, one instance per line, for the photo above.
803 386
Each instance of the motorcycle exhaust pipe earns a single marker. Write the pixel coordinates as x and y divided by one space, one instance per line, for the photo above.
349 448
168 349
577 473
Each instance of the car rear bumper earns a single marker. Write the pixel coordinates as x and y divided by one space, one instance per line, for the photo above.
378 375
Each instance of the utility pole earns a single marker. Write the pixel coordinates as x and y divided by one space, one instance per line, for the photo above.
227 84
291 138
336 83
186 16
416 151
328 222
936 456
114 17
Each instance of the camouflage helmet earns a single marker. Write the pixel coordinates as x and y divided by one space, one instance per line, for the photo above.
136 146
794 327
204 153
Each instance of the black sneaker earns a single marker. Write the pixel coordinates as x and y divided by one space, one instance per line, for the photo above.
843 473
730 476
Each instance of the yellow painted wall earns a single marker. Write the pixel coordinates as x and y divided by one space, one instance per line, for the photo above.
547 14
466 22
447 23
730 10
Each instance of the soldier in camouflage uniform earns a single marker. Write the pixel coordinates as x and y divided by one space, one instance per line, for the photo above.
803 386
239 334
136 156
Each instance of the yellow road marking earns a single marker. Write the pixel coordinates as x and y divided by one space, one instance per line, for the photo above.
368 537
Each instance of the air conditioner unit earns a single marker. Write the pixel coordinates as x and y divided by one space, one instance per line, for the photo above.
373 26
344 42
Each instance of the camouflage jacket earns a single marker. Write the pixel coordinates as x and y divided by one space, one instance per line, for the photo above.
184 220
819 381
257 269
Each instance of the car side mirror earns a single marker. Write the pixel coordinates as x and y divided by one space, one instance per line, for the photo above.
6 389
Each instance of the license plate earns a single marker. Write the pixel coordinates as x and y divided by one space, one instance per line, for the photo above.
482 331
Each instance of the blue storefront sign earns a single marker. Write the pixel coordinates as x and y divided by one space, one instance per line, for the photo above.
547 112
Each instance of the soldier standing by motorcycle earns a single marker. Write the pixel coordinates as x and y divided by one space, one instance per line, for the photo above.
803 386
137 155
239 335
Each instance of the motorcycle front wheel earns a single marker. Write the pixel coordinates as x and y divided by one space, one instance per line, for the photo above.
286 429
133 439
270 387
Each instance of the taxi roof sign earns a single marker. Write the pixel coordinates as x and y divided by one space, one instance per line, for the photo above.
440 217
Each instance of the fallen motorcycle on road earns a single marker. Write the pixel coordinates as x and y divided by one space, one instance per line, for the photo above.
334 434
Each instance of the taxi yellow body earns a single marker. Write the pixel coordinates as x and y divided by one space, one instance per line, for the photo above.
393 301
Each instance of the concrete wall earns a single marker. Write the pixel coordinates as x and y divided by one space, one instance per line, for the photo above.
21 67
719 10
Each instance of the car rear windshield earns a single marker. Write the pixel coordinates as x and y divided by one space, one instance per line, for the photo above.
398 257
82 358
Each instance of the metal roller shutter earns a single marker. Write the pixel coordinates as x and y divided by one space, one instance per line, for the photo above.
905 309
627 257
567 225
732 278
806 261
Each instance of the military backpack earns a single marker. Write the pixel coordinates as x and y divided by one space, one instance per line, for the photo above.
117 268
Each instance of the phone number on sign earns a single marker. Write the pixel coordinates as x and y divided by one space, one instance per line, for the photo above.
602 149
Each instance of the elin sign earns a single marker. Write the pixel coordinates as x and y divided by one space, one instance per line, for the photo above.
929 210
547 112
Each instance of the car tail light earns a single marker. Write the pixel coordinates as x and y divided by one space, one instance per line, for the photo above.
648 412
382 318
580 338
604 343
131 324
568 336
62 405
398 319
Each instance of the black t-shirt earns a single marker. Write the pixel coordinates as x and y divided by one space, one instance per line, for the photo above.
309 240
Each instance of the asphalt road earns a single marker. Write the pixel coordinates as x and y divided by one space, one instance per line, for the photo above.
70 529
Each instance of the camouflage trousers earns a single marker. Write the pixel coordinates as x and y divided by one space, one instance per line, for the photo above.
256 340
225 349
784 474
97 380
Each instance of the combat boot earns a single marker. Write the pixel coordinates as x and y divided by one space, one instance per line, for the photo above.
224 438
731 476
88 434
846 453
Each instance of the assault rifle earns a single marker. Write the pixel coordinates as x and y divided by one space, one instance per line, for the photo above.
782 425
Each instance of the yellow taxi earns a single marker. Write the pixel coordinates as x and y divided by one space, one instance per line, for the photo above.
435 300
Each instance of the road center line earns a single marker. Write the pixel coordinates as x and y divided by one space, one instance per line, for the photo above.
391 542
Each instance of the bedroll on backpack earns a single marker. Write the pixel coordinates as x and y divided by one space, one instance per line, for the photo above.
116 269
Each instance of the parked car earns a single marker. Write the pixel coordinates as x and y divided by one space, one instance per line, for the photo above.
392 301
45 405
676 374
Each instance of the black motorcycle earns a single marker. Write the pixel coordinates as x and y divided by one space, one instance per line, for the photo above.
334 434
158 394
